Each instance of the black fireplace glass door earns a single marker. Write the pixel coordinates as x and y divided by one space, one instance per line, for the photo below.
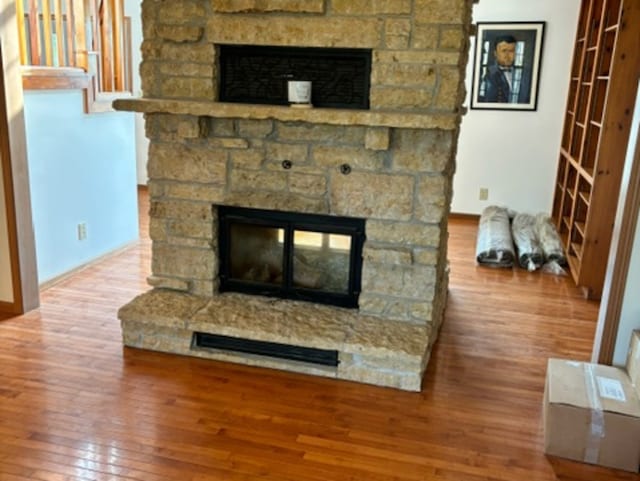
306 257
256 253
321 261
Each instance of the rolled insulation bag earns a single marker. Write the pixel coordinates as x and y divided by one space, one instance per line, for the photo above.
550 240
494 246
530 254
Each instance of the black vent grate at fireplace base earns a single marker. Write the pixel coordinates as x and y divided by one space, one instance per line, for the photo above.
263 348
255 74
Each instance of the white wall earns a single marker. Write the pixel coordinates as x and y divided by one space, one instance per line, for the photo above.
515 154
82 170
132 9
6 283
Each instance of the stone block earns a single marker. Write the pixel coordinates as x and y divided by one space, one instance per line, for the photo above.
277 152
192 127
369 195
187 164
450 90
400 341
442 11
204 288
453 37
274 320
404 74
426 256
310 132
397 26
182 261
178 12
166 308
187 69
417 56
430 213
268 6
188 242
247 159
433 189
356 157
425 37
315 185
243 180
412 282
377 138
348 32
387 255
190 228
196 192
284 201
422 150
421 311
222 127
255 128
401 98
157 229
373 305
370 7
396 42
190 53
227 143
177 209
191 88
169 283
180 33
404 233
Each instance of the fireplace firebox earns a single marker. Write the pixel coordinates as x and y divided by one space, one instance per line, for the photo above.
306 257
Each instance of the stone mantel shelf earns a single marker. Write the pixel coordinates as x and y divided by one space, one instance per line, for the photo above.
369 118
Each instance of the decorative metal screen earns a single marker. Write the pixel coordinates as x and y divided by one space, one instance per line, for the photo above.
253 74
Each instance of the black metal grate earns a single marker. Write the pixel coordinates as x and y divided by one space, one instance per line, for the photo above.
254 74
263 348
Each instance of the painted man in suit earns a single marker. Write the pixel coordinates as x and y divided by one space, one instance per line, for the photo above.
505 82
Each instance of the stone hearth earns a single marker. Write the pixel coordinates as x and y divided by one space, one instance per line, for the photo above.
205 154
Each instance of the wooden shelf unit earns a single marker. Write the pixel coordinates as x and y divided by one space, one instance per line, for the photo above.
604 73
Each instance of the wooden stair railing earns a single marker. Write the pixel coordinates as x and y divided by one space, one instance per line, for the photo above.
83 44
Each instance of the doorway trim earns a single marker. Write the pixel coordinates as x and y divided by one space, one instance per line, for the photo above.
15 177
624 232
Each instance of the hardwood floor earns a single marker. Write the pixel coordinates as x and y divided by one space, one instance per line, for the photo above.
76 405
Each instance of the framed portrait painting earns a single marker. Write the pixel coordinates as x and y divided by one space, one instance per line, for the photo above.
506 66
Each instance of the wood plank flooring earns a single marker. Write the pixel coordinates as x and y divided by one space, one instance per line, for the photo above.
76 405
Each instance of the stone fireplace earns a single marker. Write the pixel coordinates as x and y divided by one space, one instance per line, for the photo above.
389 165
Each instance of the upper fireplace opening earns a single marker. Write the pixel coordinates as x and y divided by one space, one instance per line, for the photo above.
256 74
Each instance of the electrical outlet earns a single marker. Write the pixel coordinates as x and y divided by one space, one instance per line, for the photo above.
484 193
82 231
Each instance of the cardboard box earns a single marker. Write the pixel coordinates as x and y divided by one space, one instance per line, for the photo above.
633 360
591 414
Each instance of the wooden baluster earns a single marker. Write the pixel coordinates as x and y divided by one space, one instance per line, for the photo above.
79 35
71 61
22 32
34 32
46 32
118 20
93 21
106 51
57 5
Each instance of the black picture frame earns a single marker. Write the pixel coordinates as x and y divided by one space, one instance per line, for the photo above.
496 84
